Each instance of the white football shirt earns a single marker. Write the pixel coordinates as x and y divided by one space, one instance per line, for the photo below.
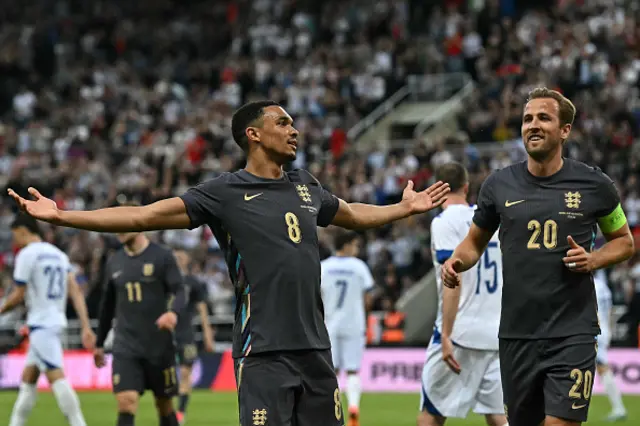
344 281
604 299
43 268
478 319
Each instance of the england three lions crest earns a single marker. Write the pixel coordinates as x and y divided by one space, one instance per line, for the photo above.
572 199
303 193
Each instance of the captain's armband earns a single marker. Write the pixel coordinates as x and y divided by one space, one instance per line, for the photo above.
613 221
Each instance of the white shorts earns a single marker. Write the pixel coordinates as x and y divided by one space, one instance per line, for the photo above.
603 339
45 348
347 351
477 387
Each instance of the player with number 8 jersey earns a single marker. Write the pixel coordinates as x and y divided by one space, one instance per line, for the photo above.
547 210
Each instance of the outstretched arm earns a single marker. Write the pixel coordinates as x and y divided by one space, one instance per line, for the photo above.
364 216
164 214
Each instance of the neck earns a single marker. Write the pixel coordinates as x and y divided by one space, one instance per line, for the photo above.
341 253
547 166
137 245
455 198
33 239
264 169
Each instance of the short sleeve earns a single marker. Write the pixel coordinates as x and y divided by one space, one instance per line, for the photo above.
367 278
22 267
608 198
486 215
204 201
444 239
329 204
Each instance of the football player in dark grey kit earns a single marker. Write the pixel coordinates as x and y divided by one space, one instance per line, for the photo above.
144 293
265 221
547 210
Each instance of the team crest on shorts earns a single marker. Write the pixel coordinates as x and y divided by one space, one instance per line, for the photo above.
260 417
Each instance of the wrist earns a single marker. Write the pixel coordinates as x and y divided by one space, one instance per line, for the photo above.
406 208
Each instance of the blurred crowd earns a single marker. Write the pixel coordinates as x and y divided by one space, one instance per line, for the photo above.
107 101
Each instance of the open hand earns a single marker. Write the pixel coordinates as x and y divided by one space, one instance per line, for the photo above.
451 272
423 201
578 259
41 208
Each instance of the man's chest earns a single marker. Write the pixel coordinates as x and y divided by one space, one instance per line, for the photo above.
137 281
542 215
287 211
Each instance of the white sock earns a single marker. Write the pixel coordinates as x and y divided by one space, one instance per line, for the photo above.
353 391
613 392
68 402
24 404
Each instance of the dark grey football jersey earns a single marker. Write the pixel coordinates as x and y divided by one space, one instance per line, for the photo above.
541 297
267 230
139 289
196 292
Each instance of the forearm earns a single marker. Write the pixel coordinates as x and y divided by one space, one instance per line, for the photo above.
614 251
113 219
15 298
468 253
450 303
206 327
80 307
105 318
366 216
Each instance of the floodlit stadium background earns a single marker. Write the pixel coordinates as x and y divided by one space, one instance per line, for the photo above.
110 100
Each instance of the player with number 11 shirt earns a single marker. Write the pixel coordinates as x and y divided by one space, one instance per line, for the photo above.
265 221
547 210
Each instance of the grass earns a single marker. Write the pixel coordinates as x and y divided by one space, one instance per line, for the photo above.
220 409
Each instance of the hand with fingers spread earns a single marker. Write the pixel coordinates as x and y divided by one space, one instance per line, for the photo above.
451 272
447 354
41 208
578 259
423 201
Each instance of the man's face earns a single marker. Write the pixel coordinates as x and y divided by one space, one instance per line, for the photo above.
542 132
277 135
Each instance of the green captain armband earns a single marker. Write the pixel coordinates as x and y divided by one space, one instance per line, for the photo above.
613 221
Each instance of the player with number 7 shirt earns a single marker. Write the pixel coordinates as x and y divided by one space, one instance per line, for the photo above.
265 220
547 210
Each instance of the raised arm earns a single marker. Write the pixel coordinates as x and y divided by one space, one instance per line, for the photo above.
364 216
164 214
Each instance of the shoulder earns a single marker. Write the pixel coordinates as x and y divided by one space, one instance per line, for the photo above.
302 176
505 174
591 173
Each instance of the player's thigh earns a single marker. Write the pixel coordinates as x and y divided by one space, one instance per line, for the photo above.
569 368
489 398
127 374
443 392
522 381
187 354
266 390
319 403
161 375
352 352
45 349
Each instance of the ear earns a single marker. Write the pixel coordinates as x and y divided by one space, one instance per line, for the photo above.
564 131
253 134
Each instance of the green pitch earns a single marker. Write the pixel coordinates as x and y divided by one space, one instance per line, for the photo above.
219 409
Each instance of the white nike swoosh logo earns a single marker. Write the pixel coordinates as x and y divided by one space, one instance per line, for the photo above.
512 203
251 197
116 275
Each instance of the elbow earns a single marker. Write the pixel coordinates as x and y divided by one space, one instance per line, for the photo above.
629 247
